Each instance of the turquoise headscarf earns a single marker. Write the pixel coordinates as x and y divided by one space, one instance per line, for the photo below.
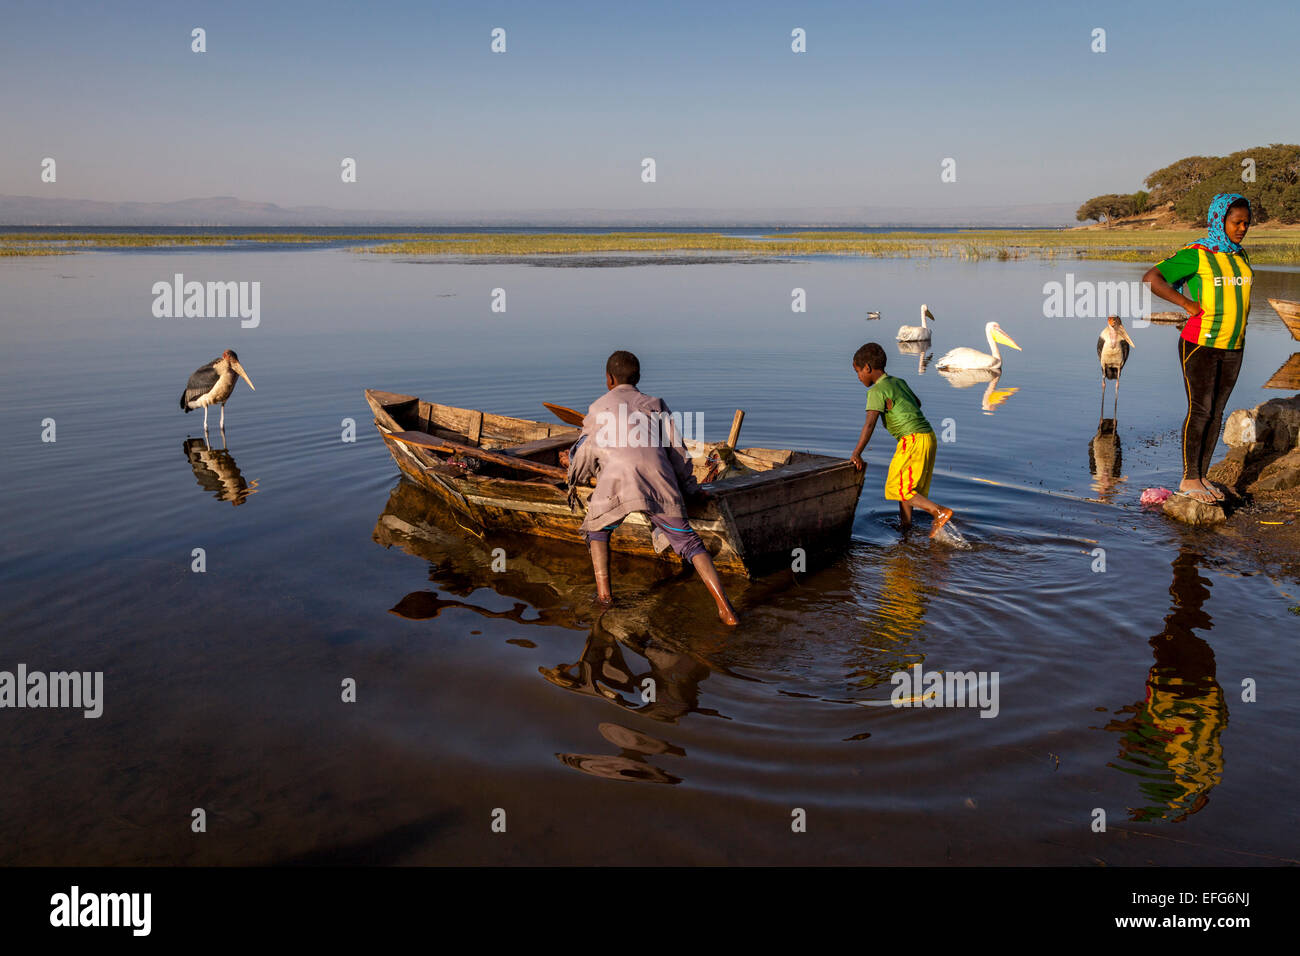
1217 240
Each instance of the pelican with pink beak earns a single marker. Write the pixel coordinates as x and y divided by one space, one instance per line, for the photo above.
212 385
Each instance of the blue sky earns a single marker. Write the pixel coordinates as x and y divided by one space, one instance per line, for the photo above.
712 91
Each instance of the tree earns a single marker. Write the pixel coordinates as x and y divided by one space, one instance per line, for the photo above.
1108 208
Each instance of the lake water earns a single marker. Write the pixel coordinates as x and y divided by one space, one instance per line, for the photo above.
480 691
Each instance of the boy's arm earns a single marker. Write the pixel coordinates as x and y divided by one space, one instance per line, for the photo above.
870 426
583 459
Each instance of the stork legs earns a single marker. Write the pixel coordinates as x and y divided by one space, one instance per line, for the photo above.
1115 412
221 425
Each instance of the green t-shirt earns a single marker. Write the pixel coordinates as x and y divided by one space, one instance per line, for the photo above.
903 414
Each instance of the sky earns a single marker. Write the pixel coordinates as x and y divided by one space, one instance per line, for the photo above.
585 91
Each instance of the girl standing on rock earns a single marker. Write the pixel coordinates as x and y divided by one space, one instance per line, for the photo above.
1217 276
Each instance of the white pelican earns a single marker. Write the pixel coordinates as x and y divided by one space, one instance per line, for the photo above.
917 333
212 385
966 358
1112 352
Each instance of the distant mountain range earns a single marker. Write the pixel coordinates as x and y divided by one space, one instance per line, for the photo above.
230 211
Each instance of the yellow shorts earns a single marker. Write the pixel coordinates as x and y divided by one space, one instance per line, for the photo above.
912 467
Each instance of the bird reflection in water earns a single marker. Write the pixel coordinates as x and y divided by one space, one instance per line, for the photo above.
922 352
215 471
1106 459
1169 740
993 396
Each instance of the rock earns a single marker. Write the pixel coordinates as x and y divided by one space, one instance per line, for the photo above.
1241 428
1228 471
1280 474
1193 512
1265 429
1280 419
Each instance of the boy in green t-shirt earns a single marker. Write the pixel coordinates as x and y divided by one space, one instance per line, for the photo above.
908 481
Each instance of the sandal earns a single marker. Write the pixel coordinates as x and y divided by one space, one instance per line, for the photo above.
1214 490
1209 499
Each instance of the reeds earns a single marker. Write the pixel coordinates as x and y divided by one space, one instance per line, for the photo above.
1275 247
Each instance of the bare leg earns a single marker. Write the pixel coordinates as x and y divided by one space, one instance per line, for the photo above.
600 565
904 515
940 513
709 575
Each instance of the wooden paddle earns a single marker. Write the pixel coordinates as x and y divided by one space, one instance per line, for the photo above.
567 415
422 440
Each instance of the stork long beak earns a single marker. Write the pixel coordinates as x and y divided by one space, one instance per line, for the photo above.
244 375
929 315
1124 334
1003 339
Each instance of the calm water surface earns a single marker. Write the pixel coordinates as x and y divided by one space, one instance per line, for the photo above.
1118 689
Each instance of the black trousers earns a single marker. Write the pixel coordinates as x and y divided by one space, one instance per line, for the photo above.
1209 375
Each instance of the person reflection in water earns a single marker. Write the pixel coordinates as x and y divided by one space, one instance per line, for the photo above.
1170 741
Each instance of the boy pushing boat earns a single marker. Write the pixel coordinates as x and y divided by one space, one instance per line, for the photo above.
910 471
644 469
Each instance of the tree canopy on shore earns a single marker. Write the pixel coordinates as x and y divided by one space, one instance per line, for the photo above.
1269 176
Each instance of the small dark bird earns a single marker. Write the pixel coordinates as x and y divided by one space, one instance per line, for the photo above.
212 385
1112 352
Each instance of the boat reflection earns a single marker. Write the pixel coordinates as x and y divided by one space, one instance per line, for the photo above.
1169 740
993 396
215 471
633 655
1106 459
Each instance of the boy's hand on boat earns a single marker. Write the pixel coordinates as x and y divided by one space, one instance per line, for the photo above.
858 463
564 459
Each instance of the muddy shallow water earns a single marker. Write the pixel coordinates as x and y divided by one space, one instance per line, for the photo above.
1120 643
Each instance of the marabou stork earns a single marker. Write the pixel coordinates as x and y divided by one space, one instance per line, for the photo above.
1112 352
212 385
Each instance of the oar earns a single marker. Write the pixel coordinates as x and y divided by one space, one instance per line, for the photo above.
422 440
732 437
566 415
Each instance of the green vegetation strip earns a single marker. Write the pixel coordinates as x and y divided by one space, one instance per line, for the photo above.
1267 247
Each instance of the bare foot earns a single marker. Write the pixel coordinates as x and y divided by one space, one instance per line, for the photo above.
1213 489
940 520
728 615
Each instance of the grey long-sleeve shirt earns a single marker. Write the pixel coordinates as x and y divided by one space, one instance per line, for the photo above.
635 452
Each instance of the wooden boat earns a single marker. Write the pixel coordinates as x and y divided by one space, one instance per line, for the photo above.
1289 313
1168 318
503 474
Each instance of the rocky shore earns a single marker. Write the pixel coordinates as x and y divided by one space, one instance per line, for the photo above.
1261 473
